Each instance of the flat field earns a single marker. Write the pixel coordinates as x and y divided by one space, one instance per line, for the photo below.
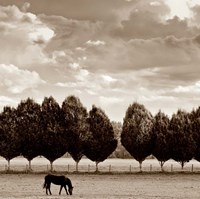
91 186
40 164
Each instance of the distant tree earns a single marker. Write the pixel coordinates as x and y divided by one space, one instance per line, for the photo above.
183 142
161 148
136 134
53 145
120 151
10 143
100 141
75 116
195 123
28 126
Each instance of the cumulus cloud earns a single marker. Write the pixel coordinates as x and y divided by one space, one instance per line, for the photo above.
95 43
21 36
25 7
131 51
146 24
16 81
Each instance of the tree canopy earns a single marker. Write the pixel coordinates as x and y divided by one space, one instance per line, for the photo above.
136 134
75 119
99 142
29 128
182 138
161 138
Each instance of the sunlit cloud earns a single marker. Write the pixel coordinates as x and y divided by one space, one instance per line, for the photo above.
16 80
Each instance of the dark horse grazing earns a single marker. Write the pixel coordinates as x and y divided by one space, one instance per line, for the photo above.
57 180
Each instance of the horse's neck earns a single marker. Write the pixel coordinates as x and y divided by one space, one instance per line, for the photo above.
69 182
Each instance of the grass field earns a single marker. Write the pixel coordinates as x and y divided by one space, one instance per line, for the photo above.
89 186
119 183
40 164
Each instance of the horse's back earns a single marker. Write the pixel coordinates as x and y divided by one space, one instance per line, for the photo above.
55 179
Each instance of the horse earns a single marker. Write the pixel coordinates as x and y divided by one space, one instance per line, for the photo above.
57 180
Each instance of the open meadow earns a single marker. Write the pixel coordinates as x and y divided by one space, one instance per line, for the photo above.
67 165
90 186
121 182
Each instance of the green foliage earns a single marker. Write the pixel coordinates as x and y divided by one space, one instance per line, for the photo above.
136 134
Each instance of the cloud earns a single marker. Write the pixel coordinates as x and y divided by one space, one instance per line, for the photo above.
79 9
15 81
23 37
195 88
147 24
7 101
25 7
131 51
95 43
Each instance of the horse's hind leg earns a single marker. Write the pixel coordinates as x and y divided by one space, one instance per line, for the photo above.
48 188
66 190
60 189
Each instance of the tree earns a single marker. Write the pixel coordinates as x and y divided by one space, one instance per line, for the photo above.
136 134
28 126
10 143
120 151
161 148
195 123
99 142
182 139
75 116
53 145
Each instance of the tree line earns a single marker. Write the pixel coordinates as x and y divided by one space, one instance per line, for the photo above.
51 130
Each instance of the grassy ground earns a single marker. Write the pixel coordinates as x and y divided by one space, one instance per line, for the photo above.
110 165
122 182
90 186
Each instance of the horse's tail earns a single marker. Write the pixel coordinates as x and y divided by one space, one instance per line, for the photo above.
45 183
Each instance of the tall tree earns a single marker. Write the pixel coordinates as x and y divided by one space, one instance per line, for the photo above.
10 143
28 126
53 145
75 116
195 121
136 134
100 141
161 148
182 139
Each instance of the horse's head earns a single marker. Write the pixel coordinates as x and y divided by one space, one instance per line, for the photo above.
70 190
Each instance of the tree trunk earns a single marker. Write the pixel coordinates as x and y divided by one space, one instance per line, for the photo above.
8 165
140 162
182 164
51 166
29 165
97 169
162 164
76 166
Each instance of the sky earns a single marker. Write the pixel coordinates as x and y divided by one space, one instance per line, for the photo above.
110 53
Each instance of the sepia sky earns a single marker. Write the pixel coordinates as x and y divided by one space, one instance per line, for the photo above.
110 53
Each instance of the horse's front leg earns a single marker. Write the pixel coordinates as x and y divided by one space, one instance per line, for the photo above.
66 190
60 189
